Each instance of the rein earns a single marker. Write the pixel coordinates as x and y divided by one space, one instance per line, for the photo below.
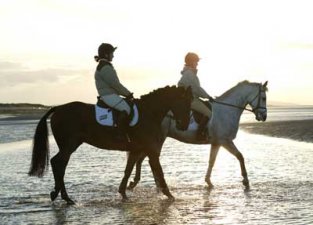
235 106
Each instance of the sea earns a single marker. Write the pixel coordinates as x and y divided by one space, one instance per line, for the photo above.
280 173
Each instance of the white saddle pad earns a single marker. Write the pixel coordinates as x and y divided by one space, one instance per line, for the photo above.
104 116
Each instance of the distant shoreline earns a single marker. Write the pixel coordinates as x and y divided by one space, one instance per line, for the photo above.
22 111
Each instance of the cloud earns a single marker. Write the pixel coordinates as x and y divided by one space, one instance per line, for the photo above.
12 74
10 66
298 45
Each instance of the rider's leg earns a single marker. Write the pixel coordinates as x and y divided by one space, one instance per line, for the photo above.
118 103
202 131
200 107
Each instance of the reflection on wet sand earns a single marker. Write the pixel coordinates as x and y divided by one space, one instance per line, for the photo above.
280 173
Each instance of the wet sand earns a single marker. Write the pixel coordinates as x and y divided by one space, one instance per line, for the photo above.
300 130
34 116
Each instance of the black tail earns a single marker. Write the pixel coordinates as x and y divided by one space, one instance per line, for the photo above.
40 157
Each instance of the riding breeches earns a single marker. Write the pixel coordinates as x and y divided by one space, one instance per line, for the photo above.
117 102
200 107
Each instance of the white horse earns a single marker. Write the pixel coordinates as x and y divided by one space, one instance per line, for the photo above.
222 126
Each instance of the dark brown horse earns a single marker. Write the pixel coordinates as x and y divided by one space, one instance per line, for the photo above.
74 123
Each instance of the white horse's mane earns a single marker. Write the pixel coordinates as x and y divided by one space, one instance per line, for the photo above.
231 90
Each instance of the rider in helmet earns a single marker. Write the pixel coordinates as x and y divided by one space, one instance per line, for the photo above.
190 78
108 85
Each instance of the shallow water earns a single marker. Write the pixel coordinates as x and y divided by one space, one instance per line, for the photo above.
17 130
280 173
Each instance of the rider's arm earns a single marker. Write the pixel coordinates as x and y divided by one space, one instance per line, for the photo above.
113 81
189 79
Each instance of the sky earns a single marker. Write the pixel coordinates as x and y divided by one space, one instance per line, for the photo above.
47 47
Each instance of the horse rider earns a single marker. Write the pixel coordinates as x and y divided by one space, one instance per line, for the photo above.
109 87
190 78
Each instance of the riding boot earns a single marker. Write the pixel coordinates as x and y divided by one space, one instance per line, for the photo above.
202 132
122 125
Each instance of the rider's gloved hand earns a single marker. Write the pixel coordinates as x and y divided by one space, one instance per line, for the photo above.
210 99
130 97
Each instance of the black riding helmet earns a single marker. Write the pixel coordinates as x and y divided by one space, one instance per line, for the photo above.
104 50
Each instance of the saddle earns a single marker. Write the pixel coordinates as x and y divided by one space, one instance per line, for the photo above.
109 116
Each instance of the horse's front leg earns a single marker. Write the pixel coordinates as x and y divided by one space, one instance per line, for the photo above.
231 147
159 175
134 183
132 158
213 154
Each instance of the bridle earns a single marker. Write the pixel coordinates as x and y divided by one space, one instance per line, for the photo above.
258 106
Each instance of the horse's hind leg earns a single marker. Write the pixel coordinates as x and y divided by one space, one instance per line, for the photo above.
213 154
59 163
134 183
231 147
132 158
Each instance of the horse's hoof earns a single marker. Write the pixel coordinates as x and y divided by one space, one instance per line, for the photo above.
245 182
53 195
247 189
210 186
208 181
171 198
125 198
167 192
70 201
131 185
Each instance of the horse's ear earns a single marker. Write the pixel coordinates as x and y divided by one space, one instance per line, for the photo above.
265 84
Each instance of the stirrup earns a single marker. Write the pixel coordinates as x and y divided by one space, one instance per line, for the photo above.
128 138
123 137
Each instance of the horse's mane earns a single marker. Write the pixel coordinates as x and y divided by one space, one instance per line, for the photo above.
167 90
231 90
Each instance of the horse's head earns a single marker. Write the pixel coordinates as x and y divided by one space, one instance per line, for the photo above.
181 107
258 103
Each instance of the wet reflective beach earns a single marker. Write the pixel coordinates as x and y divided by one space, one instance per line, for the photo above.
280 173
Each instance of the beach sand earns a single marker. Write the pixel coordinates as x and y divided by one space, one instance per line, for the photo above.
300 130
